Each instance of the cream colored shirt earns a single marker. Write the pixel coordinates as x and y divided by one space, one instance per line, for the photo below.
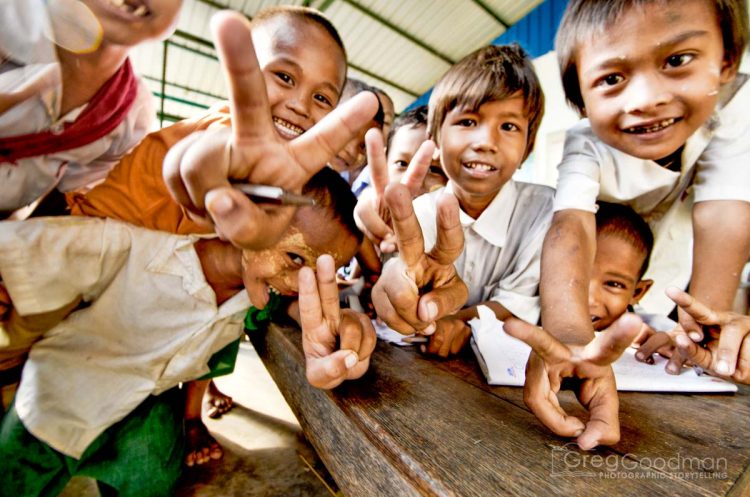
715 166
150 321
502 248
27 55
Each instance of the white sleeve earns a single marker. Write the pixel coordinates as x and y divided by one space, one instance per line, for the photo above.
46 263
723 170
578 173
425 208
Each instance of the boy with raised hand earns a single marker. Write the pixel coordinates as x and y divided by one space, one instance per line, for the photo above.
483 116
70 103
665 110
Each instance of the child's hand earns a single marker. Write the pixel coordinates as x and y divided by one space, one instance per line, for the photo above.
197 170
370 213
729 354
550 362
397 294
451 335
323 323
650 341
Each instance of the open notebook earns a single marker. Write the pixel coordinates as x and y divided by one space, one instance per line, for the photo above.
503 361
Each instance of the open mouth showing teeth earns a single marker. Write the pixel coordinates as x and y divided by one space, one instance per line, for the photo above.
131 7
637 130
479 166
273 291
286 128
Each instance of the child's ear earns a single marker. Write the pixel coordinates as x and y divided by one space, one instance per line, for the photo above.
640 290
729 70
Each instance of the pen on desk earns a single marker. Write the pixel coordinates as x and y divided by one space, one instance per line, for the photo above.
416 339
266 194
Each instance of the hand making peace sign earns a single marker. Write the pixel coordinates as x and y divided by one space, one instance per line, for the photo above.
417 288
550 362
323 324
198 169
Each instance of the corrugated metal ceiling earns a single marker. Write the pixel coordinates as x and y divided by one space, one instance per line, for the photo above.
400 46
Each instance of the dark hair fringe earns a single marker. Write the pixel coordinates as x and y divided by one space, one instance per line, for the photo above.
622 221
412 118
333 193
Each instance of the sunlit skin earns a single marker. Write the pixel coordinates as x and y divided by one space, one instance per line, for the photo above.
404 144
481 149
129 26
312 233
615 283
649 81
304 71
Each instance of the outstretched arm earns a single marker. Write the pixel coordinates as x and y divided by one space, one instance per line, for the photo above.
198 170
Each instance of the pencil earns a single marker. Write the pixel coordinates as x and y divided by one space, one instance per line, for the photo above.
267 194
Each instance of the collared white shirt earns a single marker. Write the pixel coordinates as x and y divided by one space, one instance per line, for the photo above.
502 248
715 166
151 321
31 56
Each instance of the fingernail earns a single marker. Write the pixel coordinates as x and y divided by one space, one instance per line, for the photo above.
695 336
423 349
672 369
722 367
682 341
429 330
578 433
351 360
639 355
432 310
223 204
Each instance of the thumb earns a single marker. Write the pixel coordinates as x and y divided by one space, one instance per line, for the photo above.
330 371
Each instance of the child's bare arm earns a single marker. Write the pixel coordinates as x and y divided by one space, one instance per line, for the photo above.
721 249
567 257
324 324
198 169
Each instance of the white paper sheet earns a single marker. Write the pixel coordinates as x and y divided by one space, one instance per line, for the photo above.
503 361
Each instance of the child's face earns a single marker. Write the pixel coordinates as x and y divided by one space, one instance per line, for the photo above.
135 21
615 283
652 79
404 144
480 150
304 70
311 234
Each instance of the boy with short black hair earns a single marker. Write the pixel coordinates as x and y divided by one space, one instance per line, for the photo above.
623 247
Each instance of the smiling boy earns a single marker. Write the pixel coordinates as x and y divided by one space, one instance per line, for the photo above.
665 133
483 115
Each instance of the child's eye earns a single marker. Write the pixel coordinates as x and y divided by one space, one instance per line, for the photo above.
679 60
401 164
509 127
323 99
467 122
610 80
285 78
296 259
615 284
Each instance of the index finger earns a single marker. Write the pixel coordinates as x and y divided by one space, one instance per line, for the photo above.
699 311
310 309
545 345
328 290
376 160
450 234
405 224
607 347
248 100
418 167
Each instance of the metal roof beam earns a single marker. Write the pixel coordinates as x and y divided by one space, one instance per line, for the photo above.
186 88
382 79
396 29
491 13
179 100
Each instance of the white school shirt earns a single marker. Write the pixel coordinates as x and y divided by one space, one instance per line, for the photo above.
26 54
502 248
715 166
150 321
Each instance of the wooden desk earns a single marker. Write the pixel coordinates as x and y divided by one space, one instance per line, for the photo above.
419 426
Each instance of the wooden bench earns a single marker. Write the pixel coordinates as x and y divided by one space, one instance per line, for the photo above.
414 425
